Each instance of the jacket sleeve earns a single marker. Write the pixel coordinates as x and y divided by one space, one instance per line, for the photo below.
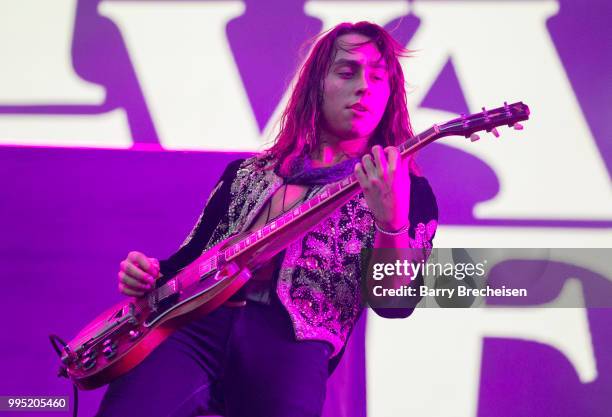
423 224
423 214
216 206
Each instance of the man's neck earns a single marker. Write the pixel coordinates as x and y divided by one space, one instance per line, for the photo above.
333 149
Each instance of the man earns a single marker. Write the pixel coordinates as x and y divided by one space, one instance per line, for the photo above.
269 350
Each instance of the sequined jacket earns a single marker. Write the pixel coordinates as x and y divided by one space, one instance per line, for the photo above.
319 278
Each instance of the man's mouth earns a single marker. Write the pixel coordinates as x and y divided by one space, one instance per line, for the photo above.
358 107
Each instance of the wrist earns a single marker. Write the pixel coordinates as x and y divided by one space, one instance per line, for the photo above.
391 228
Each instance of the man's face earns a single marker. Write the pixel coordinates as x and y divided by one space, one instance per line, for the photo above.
356 89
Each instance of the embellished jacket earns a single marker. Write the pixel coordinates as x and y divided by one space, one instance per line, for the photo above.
319 277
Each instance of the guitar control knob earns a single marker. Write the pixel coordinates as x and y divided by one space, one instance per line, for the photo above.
474 137
90 353
110 351
518 126
134 334
88 362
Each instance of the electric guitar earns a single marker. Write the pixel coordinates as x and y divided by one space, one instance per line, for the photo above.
122 336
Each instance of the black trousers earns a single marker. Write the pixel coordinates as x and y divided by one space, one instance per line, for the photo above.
235 362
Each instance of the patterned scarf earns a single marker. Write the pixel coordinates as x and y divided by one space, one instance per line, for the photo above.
303 173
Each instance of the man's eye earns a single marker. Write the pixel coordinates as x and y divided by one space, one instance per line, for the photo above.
346 74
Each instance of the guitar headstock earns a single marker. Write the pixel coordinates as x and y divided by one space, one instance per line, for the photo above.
487 120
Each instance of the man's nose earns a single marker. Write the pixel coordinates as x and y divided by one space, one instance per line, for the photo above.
363 84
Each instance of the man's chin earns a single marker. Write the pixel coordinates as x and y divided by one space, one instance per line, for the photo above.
358 134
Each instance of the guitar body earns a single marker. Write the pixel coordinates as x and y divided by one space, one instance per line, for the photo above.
124 335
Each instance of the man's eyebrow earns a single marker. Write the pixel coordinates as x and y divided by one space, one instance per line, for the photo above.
353 62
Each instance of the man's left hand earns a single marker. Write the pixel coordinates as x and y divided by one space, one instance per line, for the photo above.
385 181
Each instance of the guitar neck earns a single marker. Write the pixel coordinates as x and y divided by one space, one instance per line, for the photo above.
260 246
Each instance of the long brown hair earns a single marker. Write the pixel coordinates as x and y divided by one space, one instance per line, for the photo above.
299 124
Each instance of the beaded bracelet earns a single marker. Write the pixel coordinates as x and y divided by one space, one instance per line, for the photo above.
396 233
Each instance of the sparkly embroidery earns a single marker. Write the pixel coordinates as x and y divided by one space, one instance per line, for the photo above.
248 193
423 235
319 280
353 245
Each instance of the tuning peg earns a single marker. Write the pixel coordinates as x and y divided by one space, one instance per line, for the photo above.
495 132
474 137
507 109
517 126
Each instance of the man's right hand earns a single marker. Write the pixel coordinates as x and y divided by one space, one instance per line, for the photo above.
137 274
